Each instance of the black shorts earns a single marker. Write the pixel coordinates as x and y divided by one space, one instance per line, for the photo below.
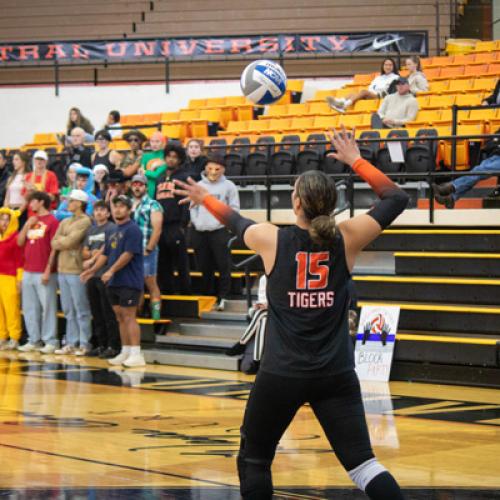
123 296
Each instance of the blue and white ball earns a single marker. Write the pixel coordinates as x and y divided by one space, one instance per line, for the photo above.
263 82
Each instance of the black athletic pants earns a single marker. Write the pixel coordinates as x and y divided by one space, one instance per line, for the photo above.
106 330
213 254
173 257
273 402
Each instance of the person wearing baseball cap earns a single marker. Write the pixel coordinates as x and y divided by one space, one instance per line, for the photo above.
124 278
396 109
41 179
68 243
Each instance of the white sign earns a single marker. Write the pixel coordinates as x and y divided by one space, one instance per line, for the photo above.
375 342
396 152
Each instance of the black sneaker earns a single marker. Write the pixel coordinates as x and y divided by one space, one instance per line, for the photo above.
109 353
253 368
447 201
96 352
236 349
443 189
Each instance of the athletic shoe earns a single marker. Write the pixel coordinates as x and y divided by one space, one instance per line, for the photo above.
96 352
134 360
48 349
336 104
67 349
11 345
220 305
253 368
236 349
118 360
494 194
443 189
27 347
109 353
447 201
82 351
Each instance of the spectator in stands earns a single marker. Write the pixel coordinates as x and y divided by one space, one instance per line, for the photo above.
84 181
115 185
379 88
103 155
77 151
14 197
100 173
10 268
196 161
396 109
68 243
131 161
153 162
70 181
173 247
5 173
41 179
447 194
39 284
113 125
416 78
210 237
148 215
125 280
77 120
494 98
106 332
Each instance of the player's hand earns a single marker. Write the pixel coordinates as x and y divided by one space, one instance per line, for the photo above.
344 143
192 191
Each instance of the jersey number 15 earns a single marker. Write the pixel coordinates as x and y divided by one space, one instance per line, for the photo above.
312 270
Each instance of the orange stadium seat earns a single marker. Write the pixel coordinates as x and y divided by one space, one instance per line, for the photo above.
483 84
476 70
479 116
197 103
366 106
459 85
494 69
445 117
321 95
297 109
275 111
323 123
485 57
237 100
432 73
452 72
319 108
169 116
439 62
485 46
437 87
439 101
258 126
363 79
301 124
462 59
469 99
426 116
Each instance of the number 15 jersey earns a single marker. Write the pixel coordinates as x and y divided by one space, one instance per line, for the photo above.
308 300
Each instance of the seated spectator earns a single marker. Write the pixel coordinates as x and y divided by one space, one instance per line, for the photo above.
10 272
210 237
416 78
106 333
68 243
494 98
103 155
113 125
100 173
77 152
115 186
41 179
447 194
131 160
14 197
396 109
84 182
77 120
379 88
70 181
153 162
5 173
196 161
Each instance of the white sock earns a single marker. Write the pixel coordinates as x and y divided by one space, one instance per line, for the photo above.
347 103
135 350
125 349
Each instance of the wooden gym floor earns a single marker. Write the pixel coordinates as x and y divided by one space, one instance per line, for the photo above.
74 428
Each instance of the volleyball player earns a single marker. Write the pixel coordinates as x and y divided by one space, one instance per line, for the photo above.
308 356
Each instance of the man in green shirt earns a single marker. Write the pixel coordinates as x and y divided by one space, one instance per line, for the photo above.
153 162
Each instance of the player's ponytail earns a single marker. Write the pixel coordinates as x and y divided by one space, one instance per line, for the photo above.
318 196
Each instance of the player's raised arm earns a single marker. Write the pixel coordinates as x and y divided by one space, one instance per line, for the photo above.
361 230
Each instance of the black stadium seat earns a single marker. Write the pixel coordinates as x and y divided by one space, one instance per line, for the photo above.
384 162
312 155
421 155
282 162
237 156
258 160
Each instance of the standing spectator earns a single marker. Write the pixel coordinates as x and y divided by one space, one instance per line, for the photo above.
396 109
494 98
196 161
125 280
100 173
173 247
77 120
68 242
153 162
113 125
148 215
70 181
416 78
131 160
210 237
14 198
39 283
77 151
107 334
115 185
379 88
103 154
41 179
10 267
5 172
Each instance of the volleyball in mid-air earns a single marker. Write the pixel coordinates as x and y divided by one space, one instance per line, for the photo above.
263 82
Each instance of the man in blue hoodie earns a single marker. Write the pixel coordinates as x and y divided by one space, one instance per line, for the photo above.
210 237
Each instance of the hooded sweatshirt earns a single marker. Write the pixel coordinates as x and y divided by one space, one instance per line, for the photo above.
225 191
10 253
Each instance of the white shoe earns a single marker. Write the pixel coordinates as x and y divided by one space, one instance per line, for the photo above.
82 351
67 349
48 349
12 345
336 104
221 305
135 360
118 360
27 348
2 344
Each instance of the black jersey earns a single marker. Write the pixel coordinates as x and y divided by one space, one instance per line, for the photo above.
308 299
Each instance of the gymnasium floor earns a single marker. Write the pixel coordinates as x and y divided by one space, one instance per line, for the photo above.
74 428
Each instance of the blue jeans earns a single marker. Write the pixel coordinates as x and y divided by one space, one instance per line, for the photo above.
467 182
40 308
76 308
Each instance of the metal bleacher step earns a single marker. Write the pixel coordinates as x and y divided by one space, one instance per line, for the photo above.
227 329
224 316
205 342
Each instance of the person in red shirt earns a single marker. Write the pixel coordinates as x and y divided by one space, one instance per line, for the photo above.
10 267
39 285
41 179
